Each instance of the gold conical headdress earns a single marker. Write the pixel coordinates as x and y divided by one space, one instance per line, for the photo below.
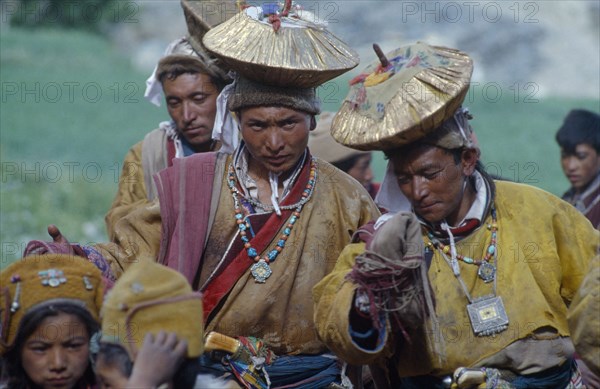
301 53
403 99
202 15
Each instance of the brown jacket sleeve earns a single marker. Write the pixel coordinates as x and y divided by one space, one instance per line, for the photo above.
136 236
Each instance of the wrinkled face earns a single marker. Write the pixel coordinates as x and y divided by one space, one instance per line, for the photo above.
361 171
582 166
109 376
56 354
191 102
434 183
276 137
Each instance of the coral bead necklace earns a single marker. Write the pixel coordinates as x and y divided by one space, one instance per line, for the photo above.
260 269
487 271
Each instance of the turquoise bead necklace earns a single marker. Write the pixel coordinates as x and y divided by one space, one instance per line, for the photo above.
260 269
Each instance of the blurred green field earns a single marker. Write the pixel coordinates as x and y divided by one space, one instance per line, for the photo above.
72 106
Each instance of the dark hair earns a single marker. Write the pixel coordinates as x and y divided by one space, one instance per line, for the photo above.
116 356
185 377
390 153
178 69
479 167
12 369
580 126
348 163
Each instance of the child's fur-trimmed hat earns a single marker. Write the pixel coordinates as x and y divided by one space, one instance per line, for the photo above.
150 297
42 280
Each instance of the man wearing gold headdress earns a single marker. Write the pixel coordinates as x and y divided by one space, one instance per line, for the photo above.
272 224
470 272
254 231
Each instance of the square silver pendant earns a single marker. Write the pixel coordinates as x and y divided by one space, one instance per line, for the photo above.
488 316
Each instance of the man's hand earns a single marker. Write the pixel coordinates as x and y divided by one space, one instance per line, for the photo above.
59 245
56 235
157 360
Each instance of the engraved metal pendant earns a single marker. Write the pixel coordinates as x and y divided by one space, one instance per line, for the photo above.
261 271
488 316
487 272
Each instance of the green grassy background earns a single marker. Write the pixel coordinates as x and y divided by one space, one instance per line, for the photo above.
72 106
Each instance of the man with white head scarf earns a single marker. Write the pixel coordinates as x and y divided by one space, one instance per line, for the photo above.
189 80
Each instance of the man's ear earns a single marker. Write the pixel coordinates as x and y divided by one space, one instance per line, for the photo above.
313 122
469 158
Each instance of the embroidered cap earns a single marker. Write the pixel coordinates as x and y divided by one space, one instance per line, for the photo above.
41 280
150 297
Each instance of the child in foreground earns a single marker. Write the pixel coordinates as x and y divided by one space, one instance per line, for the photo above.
152 332
49 309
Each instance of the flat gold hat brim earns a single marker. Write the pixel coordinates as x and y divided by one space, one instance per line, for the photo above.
291 57
409 105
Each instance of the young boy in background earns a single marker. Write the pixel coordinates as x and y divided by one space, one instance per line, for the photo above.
579 141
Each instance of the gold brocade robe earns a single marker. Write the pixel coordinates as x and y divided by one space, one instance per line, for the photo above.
141 161
544 246
280 311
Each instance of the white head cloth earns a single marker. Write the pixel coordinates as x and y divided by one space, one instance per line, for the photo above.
154 91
